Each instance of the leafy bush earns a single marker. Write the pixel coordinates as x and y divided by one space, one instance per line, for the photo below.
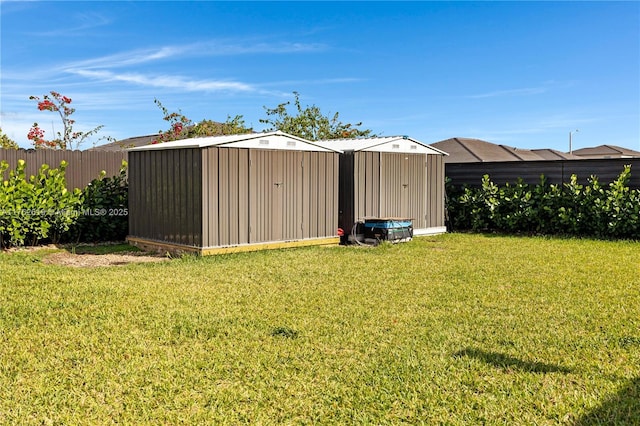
568 209
104 209
37 208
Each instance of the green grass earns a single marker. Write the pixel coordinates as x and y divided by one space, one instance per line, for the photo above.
451 329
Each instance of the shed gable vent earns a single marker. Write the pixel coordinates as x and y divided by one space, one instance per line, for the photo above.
414 147
264 142
395 146
291 143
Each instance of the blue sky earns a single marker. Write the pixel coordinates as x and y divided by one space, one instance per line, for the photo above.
523 74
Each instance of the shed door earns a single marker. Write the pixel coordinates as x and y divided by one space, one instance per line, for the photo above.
402 186
275 182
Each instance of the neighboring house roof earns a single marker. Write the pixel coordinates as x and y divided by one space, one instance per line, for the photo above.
400 144
124 144
468 150
270 140
606 151
552 154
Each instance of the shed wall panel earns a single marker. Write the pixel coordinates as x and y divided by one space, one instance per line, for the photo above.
390 185
166 206
376 184
435 191
243 199
325 207
321 194
260 197
224 197
314 182
134 194
206 202
415 189
403 184
210 200
346 192
292 188
218 196
275 229
367 184
331 195
293 195
305 197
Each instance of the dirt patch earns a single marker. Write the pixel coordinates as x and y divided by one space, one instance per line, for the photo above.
91 260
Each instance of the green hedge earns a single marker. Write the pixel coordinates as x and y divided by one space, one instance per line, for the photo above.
38 209
609 211
105 210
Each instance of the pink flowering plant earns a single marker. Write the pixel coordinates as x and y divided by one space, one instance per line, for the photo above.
68 138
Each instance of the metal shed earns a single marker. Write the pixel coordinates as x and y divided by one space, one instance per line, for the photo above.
233 193
394 176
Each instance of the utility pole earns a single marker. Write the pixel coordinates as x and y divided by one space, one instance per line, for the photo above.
570 140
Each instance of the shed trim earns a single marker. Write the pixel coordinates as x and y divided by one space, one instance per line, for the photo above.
277 140
399 144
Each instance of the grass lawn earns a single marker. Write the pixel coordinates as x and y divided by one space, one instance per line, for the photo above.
450 329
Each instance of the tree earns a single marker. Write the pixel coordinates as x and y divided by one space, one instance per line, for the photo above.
232 126
6 142
309 123
68 138
178 125
181 127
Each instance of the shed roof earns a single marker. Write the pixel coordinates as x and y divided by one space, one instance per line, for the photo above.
400 144
271 140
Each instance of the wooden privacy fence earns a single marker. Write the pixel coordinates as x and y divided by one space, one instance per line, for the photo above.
83 166
556 172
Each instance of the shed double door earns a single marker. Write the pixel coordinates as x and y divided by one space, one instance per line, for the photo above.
402 186
275 195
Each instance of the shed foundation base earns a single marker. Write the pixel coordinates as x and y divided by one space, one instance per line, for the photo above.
179 249
429 231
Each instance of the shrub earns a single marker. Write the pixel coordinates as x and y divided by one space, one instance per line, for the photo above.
104 210
568 209
38 208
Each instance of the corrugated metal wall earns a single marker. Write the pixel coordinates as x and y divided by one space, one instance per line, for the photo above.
225 196
293 195
84 166
217 197
403 183
346 193
392 185
165 196
557 172
366 183
435 191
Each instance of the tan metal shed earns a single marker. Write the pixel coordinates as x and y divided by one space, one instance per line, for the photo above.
394 176
233 193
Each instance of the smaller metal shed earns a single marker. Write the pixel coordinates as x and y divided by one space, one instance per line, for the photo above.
394 176
232 193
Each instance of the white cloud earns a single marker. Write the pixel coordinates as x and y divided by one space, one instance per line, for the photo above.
337 80
166 81
133 57
511 92
78 24
199 49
